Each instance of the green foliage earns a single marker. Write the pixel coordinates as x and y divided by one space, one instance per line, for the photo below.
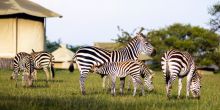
73 48
64 94
214 22
51 46
123 37
200 42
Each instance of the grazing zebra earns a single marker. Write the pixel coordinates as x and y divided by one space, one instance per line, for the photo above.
86 57
43 60
23 62
180 64
146 74
121 70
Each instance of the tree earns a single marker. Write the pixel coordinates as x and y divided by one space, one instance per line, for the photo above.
51 46
200 42
73 48
214 22
123 37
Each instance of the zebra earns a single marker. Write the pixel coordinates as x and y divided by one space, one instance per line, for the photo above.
145 73
87 56
43 60
180 64
121 70
23 62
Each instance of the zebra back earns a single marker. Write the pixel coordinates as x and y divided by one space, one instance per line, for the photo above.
177 63
120 69
42 59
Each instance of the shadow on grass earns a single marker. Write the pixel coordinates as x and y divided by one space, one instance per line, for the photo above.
44 80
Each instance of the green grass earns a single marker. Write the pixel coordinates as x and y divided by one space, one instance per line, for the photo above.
64 93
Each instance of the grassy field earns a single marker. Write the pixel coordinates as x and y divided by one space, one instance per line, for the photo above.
64 93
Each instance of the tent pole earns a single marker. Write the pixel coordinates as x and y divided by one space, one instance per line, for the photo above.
45 37
16 35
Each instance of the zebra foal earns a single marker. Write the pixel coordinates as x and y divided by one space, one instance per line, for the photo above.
145 73
23 62
121 70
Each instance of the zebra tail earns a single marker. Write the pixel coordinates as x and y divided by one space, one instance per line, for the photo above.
52 70
167 73
71 67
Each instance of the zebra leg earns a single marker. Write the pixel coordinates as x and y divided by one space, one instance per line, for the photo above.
188 81
135 87
35 75
179 87
83 76
113 86
16 78
12 75
137 82
129 83
142 86
168 88
122 84
108 82
103 81
47 74
23 79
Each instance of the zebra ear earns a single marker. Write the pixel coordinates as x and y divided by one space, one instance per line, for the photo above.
199 73
33 50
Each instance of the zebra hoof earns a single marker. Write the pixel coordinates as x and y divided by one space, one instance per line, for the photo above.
11 78
83 93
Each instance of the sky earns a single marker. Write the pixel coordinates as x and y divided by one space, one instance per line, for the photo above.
87 21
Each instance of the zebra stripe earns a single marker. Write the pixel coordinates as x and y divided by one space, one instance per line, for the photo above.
121 70
145 73
87 57
44 60
179 64
23 62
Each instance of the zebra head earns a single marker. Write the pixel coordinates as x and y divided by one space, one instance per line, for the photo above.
195 85
145 45
148 81
27 79
96 67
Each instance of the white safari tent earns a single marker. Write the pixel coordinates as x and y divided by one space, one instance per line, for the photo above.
63 57
22 27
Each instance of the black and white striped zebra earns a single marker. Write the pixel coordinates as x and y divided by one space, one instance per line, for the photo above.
44 60
180 64
86 57
23 62
145 73
121 70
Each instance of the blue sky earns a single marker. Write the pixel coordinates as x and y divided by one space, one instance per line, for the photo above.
87 21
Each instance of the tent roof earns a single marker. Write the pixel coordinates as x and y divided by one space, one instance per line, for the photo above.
8 7
62 54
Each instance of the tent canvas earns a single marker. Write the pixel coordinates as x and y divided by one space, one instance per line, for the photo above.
63 57
22 27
